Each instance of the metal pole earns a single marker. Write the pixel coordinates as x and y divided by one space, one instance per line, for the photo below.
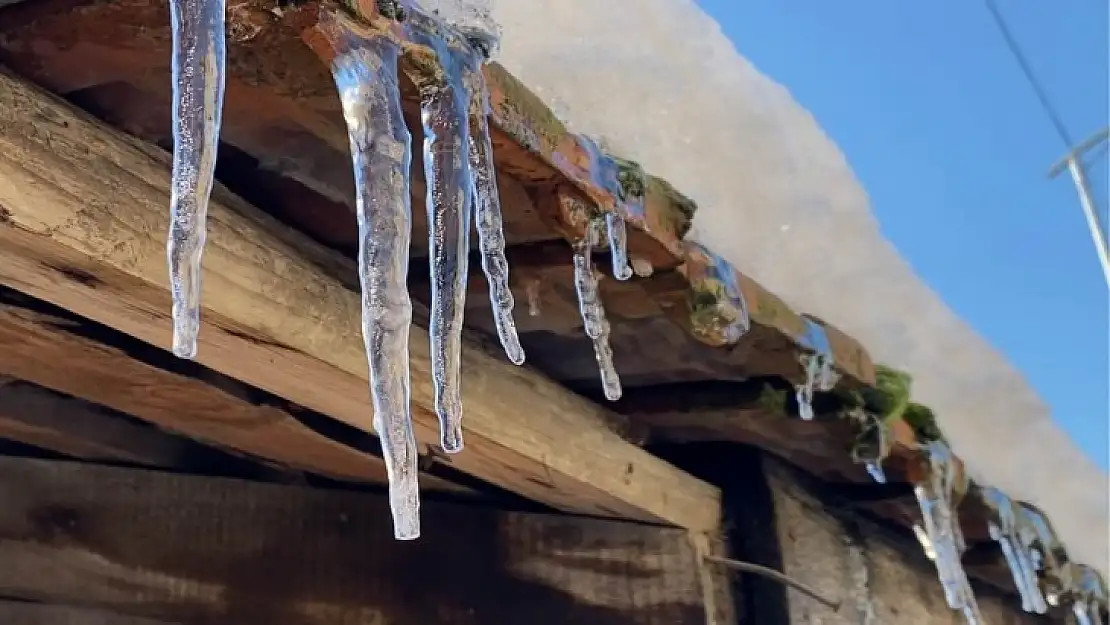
1073 162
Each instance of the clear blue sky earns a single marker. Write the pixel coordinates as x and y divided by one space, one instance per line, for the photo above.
950 143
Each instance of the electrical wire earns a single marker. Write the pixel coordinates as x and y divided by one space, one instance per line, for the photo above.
769 573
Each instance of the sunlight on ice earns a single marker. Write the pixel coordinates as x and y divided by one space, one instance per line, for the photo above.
942 531
820 374
593 313
198 71
366 77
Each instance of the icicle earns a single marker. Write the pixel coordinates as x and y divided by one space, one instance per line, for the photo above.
444 106
943 532
366 77
533 293
618 246
593 313
1092 595
198 69
819 368
872 444
1004 530
487 215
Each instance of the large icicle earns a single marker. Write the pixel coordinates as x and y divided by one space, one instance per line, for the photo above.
198 68
593 313
942 530
444 107
818 366
1091 596
366 76
487 215
1004 530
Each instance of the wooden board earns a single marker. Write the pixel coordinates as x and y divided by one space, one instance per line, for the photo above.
82 222
21 613
33 344
215 551
35 416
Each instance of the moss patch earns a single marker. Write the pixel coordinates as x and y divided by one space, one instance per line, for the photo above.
680 209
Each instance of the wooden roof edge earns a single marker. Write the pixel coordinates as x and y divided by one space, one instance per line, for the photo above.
658 223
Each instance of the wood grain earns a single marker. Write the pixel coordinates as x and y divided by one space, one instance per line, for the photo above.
213 551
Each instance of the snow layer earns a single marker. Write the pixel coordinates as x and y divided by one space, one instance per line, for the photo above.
660 83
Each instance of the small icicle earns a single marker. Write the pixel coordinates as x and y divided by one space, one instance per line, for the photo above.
943 532
819 368
533 293
198 70
366 77
487 215
618 246
444 106
593 313
872 444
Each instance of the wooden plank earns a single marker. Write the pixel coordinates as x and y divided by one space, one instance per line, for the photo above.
21 613
214 551
55 352
36 416
82 226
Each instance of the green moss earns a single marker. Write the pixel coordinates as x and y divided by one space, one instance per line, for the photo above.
527 109
392 9
773 401
682 208
631 178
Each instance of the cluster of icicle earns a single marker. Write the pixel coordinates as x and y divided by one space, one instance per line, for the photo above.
1029 546
459 169
942 537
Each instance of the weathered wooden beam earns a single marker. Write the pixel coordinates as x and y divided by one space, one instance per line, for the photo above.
36 416
82 221
214 551
53 352
25 613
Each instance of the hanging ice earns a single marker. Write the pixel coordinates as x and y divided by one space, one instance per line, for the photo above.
1004 530
618 246
487 215
942 529
593 313
366 76
1090 596
818 365
872 444
198 67
444 106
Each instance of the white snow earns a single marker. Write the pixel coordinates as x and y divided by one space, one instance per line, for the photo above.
661 84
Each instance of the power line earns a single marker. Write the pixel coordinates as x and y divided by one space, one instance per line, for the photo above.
1073 162
1027 69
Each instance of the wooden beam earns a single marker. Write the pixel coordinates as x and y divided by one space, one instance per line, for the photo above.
23 613
214 551
55 352
82 222
36 416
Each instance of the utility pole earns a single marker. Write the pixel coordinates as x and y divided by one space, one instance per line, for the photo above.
1073 163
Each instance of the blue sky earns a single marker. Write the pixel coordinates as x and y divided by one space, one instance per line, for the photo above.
950 143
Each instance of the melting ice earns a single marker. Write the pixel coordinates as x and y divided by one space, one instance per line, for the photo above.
593 313
198 66
820 374
1004 529
872 444
942 530
366 76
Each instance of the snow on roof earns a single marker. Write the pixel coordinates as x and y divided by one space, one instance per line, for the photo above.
660 83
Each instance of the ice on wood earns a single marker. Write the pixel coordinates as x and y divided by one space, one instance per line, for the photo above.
198 68
366 76
594 322
818 367
489 223
935 496
872 443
